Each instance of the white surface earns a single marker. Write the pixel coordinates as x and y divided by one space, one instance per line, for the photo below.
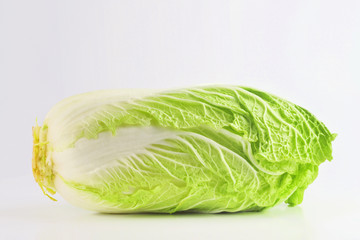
305 51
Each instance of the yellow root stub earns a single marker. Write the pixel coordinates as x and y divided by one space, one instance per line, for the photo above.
42 168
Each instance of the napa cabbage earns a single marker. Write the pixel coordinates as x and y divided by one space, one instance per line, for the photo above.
204 149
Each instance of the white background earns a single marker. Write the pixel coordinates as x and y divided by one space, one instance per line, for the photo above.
305 51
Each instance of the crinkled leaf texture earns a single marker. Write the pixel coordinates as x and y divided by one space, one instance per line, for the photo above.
204 149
